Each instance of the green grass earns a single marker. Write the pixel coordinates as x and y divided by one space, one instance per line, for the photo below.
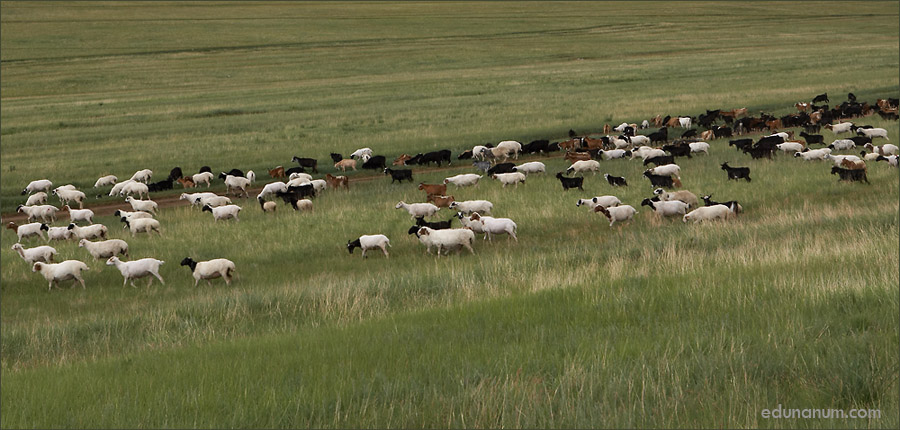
652 324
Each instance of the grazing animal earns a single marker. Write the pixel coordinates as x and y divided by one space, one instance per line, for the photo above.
348 163
570 182
369 241
820 98
215 268
38 185
418 209
336 157
141 225
736 172
58 272
433 189
685 196
277 172
463 180
92 231
440 201
812 138
106 180
27 230
223 212
309 163
584 166
616 181
337 181
266 206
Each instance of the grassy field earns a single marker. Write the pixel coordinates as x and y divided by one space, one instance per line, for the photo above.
652 324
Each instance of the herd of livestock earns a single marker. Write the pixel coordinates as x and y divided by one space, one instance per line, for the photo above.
657 150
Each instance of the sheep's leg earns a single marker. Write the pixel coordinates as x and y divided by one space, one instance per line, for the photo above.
80 279
384 250
156 274
125 282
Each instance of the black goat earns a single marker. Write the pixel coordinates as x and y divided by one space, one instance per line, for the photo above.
296 193
689 133
501 168
678 150
438 225
850 175
660 160
821 98
662 135
570 182
232 172
376 162
536 146
860 140
399 174
165 184
616 181
812 138
660 180
336 157
465 155
293 170
736 172
758 152
434 157
309 163
740 144
720 132
205 169
175 174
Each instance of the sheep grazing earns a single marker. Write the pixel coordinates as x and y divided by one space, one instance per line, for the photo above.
531 167
141 225
493 226
219 267
28 230
707 200
616 181
570 182
76 215
148 206
510 178
92 231
116 190
272 188
613 154
367 242
38 185
464 180
501 168
301 205
616 213
346 164
266 206
64 271
132 270
418 209
838 159
223 212
584 166
440 201
469 206
41 253
484 166
666 208
142 176
708 213
682 195
213 201
135 188
59 233
850 175
37 198
46 213
698 147
736 172
104 249
448 240
359 153
672 170
236 185
106 180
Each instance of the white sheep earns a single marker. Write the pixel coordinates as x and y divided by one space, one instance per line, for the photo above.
370 241
616 213
666 170
359 153
473 222
116 190
584 166
511 147
142 225
213 201
69 195
839 128
790 147
447 239
223 212
203 177
813 154
708 213
55 273
251 175
76 215
142 205
837 159
132 215
612 154
510 178
531 167
478 152
873 132
46 213
493 226
297 175
92 231
272 188
842 145
698 147
620 143
135 188
886 149
667 208
469 206
142 176
890 159
304 205
497 154
267 206
319 185
464 180
418 209
106 180
639 140
38 185
27 230
681 195
194 198
605 201
684 121
104 248
136 269
41 253
298 181
37 198
235 183
59 233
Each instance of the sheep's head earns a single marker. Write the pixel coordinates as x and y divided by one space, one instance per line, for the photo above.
112 261
399 205
45 227
71 226
353 244
188 261
37 267
424 231
206 208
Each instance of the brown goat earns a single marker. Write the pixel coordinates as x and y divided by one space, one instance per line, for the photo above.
607 129
337 181
572 157
440 201
277 172
853 165
186 182
436 189
345 163
401 160
708 135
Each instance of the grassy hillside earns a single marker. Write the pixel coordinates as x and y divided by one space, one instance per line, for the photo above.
653 324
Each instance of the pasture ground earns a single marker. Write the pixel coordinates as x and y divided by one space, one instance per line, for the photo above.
651 324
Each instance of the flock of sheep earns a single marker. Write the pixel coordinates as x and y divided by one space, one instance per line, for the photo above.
474 215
